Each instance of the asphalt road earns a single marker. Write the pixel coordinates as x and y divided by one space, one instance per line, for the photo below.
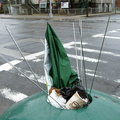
28 35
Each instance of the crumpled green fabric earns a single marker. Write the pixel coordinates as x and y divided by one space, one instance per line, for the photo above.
61 72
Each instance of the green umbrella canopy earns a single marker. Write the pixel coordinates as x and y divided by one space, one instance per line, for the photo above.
35 107
61 72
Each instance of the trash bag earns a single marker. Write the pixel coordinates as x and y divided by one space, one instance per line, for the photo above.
67 92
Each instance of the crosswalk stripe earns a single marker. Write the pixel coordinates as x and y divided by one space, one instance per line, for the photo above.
7 66
86 58
118 80
116 96
90 74
12 95
102 35
71 45
41 79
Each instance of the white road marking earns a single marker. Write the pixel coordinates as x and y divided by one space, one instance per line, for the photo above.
116 96
29 74
34 55
37 60
98 51
118 81
112 37
12 95
7 66
102 35
88 70
90 74
86 58
40 79
114 31
71 45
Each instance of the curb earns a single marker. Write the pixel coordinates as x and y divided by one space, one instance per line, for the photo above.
55 18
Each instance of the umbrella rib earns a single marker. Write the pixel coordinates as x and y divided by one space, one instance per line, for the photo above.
100 54
21 52
82 53
81 62
75 49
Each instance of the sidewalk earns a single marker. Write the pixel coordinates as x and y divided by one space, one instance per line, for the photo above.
60 18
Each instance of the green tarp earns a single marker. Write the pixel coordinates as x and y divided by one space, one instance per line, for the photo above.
61 72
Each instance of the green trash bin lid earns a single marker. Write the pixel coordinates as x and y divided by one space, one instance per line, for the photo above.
35 107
